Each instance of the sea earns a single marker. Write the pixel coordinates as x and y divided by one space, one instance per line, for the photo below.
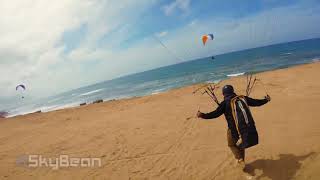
209 69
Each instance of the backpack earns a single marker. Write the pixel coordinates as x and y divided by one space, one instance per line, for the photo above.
248 135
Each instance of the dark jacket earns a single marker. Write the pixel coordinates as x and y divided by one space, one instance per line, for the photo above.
225 108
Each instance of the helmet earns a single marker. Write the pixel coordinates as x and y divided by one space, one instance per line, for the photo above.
227 90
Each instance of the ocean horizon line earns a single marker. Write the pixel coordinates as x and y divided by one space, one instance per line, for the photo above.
178 75
79 104
188 61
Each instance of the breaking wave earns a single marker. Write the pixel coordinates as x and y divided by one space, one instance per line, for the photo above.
236 74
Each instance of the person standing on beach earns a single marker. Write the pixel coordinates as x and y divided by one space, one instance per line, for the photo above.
241 132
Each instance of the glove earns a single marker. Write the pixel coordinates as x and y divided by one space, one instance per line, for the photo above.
199 114
268 98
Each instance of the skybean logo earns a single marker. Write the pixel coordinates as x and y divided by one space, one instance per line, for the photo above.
62 161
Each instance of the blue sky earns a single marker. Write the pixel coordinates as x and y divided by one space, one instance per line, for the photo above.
160 17
61 45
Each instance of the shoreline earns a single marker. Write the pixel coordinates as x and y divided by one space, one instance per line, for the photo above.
85 104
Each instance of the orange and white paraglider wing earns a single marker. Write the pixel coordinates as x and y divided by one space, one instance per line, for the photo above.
207 37
204 39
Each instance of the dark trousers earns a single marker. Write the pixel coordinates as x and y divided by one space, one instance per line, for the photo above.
239 153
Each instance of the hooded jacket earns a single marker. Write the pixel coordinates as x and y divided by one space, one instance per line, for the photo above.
226 108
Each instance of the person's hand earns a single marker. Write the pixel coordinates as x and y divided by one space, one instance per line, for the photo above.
199 114
268 98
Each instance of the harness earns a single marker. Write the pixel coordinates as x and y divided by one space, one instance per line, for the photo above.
233 102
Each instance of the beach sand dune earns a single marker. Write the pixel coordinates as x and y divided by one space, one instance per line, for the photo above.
159 137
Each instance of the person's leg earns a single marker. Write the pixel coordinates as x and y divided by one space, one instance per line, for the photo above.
243 153
238 153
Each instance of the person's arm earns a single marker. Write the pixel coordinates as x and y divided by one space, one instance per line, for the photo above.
257 102
214 114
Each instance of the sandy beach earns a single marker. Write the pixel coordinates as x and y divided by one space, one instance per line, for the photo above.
159 136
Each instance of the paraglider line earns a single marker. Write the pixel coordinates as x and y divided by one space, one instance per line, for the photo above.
173 54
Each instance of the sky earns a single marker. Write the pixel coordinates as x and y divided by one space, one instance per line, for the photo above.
56 46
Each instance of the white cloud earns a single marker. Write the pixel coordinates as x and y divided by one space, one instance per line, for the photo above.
182 5
30 32
193 22
161 34
230 35
31 46
268 27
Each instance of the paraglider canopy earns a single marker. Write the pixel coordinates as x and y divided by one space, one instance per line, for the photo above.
207 37
20 86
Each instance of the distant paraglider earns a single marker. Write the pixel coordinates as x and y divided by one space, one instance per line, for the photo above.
21 88
207 37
